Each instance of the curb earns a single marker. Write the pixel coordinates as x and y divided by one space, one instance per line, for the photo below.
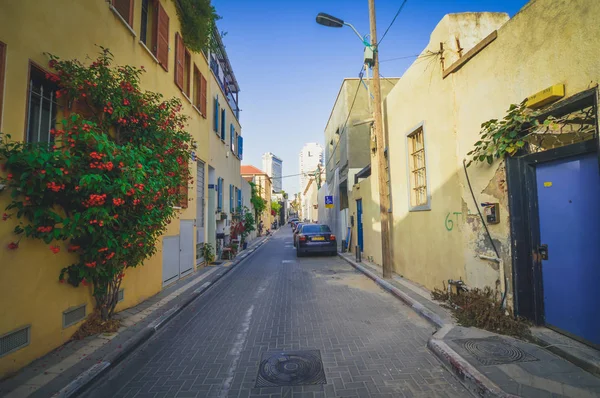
84 379
419 308
473 380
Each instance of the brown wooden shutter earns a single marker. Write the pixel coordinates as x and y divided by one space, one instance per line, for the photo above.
203 99
125 8
162 36
183 189
2 69
179 60
187 69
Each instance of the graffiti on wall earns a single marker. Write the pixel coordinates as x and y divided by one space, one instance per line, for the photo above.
450 219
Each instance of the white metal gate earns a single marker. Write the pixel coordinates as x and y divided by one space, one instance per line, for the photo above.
186 247
170 259
178 253
200 206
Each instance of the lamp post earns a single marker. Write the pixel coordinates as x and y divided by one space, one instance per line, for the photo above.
331 21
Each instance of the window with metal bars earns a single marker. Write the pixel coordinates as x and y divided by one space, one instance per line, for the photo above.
41 106
419 198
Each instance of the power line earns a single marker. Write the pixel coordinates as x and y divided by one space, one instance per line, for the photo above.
397 58
391 23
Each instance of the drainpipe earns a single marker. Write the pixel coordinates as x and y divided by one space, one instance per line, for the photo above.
503 283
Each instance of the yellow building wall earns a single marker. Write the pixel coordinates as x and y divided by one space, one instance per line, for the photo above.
371 218
30 293
529 54
221 157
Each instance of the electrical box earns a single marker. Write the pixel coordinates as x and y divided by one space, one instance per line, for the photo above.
492 213
369 58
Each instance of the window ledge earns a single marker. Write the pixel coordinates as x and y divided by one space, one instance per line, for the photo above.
198 110
129 28
186 97
149 52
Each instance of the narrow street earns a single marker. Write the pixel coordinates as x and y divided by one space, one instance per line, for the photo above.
370 344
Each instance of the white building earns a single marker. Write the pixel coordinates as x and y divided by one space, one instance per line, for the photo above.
273 166
311 156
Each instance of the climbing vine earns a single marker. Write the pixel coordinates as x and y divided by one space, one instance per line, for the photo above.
197 19
105 187
527 129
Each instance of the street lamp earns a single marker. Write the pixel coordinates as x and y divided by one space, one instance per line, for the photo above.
371 59
333 22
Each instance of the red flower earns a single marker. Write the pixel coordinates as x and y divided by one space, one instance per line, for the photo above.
54 249
62 281
91 264
9 177
5 217
84 282
13 245
118 201
102 250
125 101
111 255
121 275
73 248
43 171
116 216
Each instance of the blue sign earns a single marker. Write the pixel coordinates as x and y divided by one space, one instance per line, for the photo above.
329 201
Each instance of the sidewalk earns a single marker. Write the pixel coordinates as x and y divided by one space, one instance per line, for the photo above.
493 365
69 368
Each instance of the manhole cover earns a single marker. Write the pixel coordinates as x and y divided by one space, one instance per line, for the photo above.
291 368
494 351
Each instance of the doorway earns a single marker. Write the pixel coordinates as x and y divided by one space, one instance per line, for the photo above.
359 224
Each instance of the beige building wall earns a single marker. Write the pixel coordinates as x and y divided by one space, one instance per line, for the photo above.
30 29
546 43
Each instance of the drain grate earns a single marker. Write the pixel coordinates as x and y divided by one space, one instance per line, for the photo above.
494 351
291 368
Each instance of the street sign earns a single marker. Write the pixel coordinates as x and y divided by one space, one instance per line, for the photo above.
329 202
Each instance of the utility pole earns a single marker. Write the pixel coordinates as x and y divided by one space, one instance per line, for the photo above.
381 161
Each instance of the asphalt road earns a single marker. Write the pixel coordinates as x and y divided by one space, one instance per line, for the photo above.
314 325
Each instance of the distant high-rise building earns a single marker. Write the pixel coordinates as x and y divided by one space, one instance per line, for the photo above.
273 166
311 156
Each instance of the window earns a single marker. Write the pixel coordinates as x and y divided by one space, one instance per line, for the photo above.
417 169
41 106
183 64
239 198
125 10
223 135
231 209
161 34
236 140
220 194
2 69
315 229
149 25
199 91
216 116
231 137
183 189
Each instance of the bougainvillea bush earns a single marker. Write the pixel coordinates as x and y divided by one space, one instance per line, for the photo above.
105 187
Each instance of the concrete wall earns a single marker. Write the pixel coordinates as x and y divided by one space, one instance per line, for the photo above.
29 276
530 54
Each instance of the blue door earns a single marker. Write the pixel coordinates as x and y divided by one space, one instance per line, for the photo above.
569 211
359 225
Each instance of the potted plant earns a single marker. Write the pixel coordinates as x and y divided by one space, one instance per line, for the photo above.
208 253
249 226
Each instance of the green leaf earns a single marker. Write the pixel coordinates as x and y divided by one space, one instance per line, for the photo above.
520 143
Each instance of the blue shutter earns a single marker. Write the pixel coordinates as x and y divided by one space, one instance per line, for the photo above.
239 198
241 147
231 133
216 115
230 198
220 194
223 135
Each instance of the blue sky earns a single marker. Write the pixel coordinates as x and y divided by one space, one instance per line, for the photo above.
290 69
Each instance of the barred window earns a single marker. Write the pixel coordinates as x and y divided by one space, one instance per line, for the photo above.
418 172
42 106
